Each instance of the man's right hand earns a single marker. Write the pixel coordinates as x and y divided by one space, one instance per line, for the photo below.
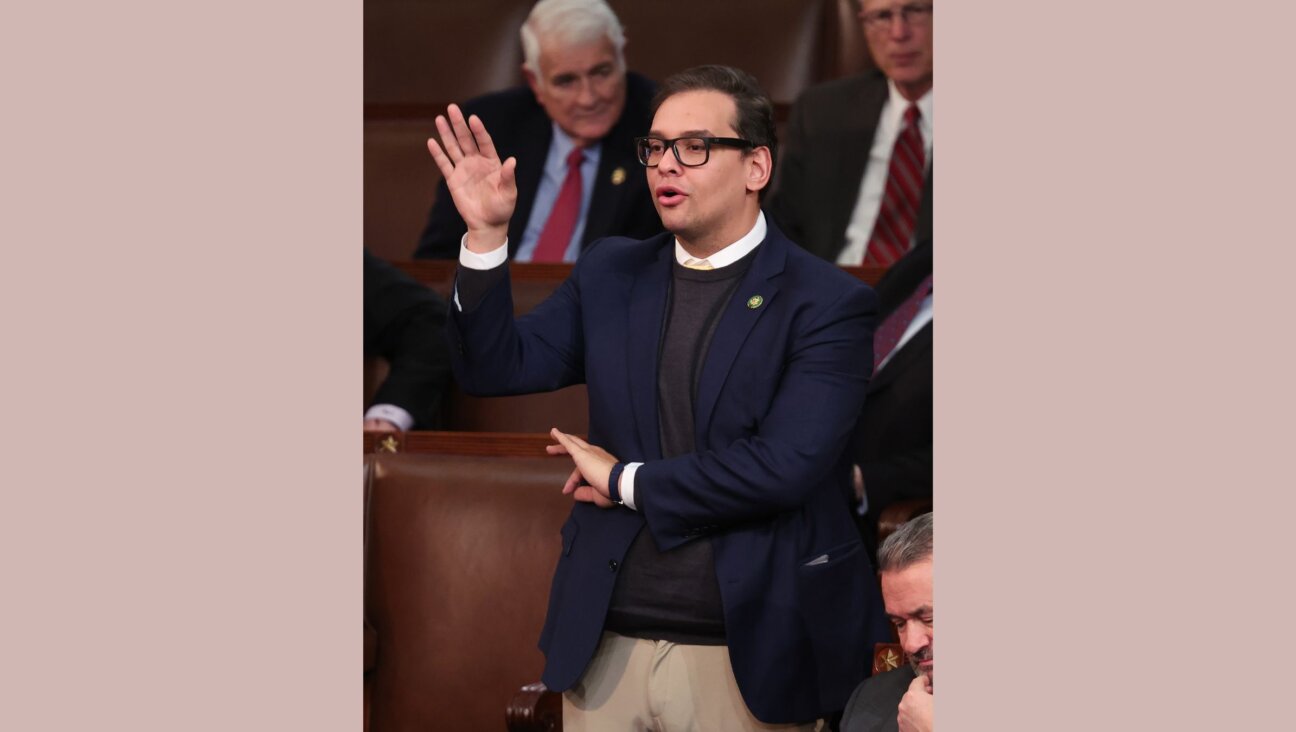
483 189
916 707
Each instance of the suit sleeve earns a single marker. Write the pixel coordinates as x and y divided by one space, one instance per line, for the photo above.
800 439
403 323
495 354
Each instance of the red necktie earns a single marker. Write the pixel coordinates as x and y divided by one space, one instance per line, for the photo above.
899 209
558 229
894 325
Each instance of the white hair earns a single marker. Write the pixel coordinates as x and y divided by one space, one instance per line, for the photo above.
570 22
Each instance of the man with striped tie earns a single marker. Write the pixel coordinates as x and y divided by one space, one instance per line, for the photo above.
855 181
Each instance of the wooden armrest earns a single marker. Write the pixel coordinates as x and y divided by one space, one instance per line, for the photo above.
899 512
534 709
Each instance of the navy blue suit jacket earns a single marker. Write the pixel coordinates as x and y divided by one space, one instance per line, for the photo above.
780 389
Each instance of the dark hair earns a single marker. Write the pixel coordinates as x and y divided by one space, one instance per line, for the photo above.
910 544
755 112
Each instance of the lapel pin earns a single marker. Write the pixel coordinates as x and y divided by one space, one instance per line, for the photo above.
755 301
618 176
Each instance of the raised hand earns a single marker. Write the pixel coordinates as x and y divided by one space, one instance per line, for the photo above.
483 189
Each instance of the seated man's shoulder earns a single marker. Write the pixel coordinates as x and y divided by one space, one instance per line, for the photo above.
834 91
502 107
873 704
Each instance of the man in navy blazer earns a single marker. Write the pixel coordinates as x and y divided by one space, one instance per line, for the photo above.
579 94
711 576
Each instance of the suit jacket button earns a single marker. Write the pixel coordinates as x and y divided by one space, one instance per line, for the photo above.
612 565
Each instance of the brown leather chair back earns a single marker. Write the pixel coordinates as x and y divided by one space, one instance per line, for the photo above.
432 52
776 41
567 409
460 552
844 43
400 180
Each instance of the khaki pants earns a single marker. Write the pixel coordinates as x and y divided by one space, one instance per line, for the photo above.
636 684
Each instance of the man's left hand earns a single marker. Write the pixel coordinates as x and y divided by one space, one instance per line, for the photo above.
916 707
593 467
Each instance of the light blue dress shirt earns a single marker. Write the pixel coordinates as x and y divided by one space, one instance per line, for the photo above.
555 172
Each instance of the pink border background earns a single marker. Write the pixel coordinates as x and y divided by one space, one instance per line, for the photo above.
182 230
181 526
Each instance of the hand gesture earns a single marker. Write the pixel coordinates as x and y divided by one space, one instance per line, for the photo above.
916 707
484 191
593 467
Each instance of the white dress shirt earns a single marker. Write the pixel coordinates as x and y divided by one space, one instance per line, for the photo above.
864 216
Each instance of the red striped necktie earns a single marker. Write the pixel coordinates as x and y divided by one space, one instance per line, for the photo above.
558 228
898 213
894 325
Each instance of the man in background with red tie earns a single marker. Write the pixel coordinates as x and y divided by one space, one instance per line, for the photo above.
572 132
892 445
855 181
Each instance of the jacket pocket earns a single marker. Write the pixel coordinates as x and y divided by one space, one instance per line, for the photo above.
833 605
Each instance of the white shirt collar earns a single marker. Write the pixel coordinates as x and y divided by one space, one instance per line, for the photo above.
898 105
733 252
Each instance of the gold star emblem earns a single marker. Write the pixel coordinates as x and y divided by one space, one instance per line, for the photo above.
890 660
755 301
618 176
388 444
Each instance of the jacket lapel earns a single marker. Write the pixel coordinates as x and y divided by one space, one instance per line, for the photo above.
605 201
736 324
643 337
531 161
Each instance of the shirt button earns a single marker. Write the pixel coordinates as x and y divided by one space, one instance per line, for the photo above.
612 565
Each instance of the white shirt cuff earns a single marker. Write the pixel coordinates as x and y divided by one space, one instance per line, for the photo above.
391 413
627 484
489 260
473 260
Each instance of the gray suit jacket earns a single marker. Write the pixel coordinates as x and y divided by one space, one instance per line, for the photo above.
872 706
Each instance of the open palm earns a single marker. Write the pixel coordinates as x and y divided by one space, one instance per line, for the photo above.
483 189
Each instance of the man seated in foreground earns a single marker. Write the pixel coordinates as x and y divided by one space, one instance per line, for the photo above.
901 699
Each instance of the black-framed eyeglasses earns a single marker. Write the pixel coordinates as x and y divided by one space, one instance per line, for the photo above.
689 151
915 14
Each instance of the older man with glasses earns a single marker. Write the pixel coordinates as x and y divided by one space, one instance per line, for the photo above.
710 576
855 185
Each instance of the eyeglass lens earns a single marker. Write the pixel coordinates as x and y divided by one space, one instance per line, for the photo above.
690 151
